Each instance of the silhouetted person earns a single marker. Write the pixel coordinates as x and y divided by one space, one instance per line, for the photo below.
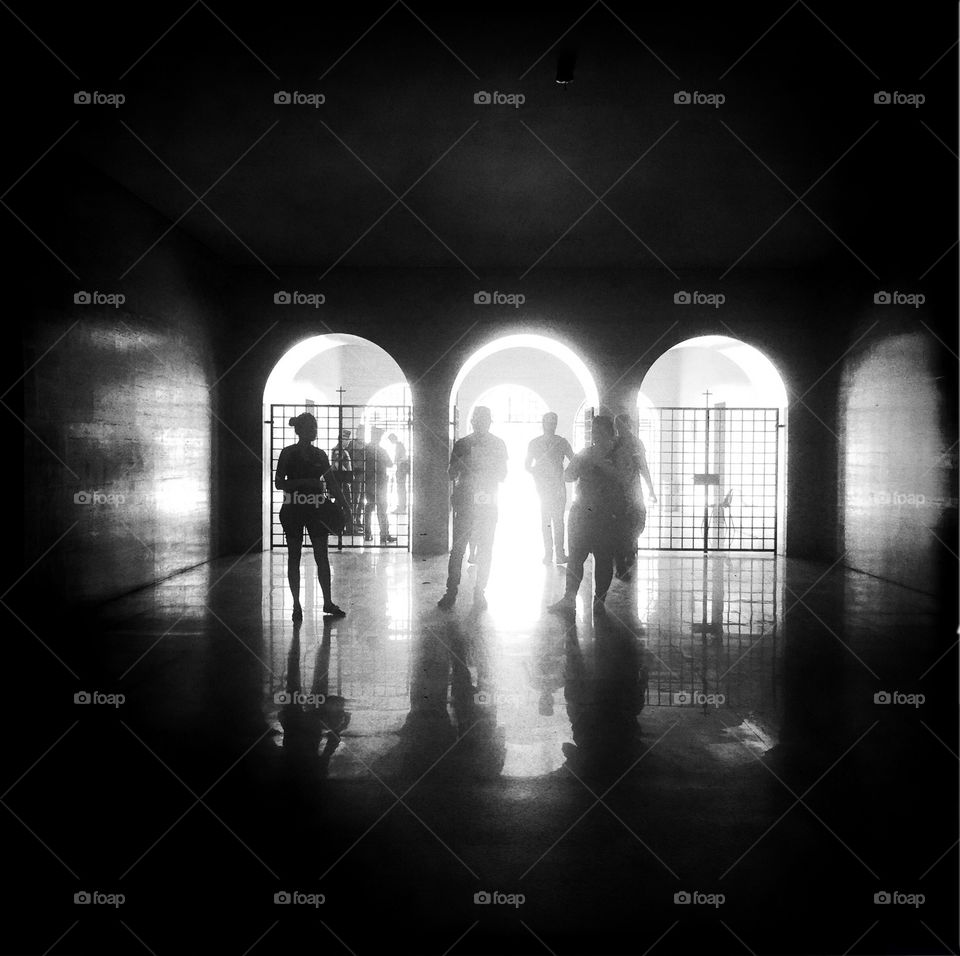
342 462
631 460
354 447
546 455
303 474
375 464
402 460
594 517
478 464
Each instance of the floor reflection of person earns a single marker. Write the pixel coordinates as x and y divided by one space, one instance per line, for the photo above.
304 476
594 516
604 698
483 748
546 456
307 717
630 458
478 464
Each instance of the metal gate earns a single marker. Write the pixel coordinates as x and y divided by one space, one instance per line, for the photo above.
347 428
715 470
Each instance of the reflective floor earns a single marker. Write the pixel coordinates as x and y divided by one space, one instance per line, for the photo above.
714 732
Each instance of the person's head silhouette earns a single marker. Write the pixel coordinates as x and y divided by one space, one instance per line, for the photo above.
305 425
550 423
603 433
481 419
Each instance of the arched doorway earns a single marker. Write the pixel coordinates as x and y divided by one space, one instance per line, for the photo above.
351 386
520 377
712 414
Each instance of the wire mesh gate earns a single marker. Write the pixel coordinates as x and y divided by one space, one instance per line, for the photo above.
716 471
378 483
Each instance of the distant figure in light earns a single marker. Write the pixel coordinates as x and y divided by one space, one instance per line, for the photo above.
402 460
546 456
594 517
478 464
303 475
342 463
375 464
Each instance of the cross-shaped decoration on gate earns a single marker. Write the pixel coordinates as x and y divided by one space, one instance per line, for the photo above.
340 392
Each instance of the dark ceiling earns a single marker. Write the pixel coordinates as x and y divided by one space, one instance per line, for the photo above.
497 187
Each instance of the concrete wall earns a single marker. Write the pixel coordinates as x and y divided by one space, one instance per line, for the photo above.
117 401
898 486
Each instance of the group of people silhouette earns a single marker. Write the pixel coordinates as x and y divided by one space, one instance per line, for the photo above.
606 519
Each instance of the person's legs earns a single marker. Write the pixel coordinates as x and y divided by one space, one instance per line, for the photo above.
462 528
546 515
368 508
382 518
559 506
322 556
485 524
602 573
402 491
293 531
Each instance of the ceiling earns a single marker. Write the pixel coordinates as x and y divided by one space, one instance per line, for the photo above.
401 168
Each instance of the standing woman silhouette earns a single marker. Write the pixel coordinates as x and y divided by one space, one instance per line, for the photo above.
302 473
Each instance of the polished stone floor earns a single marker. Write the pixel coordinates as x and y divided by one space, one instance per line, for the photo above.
714 735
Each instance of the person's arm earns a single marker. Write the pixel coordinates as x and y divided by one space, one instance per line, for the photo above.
502 462
456 463
645 472
567 451
531 457
336 492
280 478
573 470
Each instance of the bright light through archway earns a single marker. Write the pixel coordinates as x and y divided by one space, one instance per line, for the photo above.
517 414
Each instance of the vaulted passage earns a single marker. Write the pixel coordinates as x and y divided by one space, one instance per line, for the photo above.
489 479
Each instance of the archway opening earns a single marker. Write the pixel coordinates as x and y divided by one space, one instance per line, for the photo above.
725 471
350 385
520 377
